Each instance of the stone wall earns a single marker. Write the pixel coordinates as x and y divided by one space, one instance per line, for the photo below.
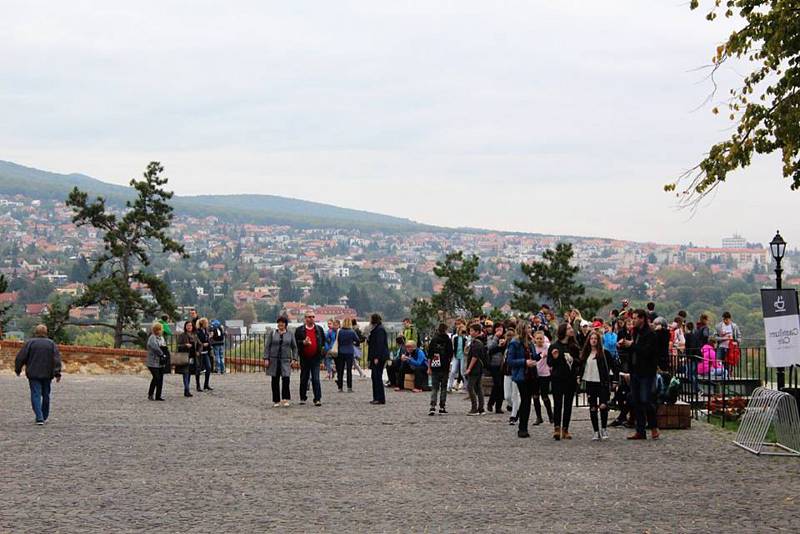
83 360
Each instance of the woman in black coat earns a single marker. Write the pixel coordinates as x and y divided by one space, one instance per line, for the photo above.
563 357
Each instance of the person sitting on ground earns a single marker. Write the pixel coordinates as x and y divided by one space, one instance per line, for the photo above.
415 362
393 364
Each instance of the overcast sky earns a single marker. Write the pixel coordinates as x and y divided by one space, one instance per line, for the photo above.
559 117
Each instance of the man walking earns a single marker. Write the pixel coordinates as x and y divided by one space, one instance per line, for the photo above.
310 340
42 363
378 352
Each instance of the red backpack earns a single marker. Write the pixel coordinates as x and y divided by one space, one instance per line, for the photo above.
734 354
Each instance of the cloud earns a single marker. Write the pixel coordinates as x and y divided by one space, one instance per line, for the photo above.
564 117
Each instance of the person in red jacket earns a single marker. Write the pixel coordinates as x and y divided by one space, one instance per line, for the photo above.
310 340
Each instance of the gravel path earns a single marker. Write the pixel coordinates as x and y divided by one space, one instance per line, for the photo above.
226 461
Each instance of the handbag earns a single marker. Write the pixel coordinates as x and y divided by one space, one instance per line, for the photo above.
334 352
180 359
164 359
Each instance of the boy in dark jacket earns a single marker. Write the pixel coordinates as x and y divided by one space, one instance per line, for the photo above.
475 361
440 353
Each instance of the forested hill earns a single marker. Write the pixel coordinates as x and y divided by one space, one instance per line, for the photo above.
257 209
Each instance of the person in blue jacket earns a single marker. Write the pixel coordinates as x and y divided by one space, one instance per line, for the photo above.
414 361
522 359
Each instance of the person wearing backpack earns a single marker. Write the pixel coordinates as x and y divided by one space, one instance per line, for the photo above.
440 353
476 361
218 345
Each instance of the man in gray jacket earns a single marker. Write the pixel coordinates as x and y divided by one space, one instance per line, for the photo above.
42 363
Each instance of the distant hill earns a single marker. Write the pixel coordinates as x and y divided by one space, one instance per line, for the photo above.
257 209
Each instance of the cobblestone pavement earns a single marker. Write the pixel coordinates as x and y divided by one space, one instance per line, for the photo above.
226 461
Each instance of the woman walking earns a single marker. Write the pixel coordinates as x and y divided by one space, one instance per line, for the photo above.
563 359
279 352
156 358
188 343
523 372
596 374
204 358
378 352
348 340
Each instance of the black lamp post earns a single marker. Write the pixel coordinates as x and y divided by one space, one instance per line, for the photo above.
778 248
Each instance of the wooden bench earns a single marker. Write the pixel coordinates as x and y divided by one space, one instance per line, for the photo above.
733 387
678 415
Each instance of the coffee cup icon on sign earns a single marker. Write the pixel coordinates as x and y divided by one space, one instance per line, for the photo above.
780 305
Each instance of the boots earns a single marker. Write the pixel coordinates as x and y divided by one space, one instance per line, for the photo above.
557 433
565 434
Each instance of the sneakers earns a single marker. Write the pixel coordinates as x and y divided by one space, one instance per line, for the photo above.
349 390
416 390
208 388
655 434
432 411
604 434
615 423
341 390
317 403
276 405
637 436
302 402
595 436
40 423
285 403
512 421
538 421
442 411
474 412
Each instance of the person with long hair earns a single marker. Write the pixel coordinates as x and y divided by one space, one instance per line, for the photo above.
596 374
541 394
204 358
510 388
156 358
348 340
458 364
188 343
563 359
523 371
496 348
279 352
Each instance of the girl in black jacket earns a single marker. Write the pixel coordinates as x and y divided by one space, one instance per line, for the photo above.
563 357
594 360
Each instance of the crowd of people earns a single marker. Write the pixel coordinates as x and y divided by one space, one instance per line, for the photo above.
540 362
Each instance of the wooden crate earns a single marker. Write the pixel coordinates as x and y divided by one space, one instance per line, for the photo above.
678 415
408 382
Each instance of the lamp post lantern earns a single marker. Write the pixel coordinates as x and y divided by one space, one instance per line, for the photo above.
778 248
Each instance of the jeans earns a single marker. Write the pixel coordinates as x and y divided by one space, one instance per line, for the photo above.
378 393
329 366
219 358
438 388
203 364
525 393
511 390
420 376
456 370
156 383
475 392
186 382
309 368
496 396
280 386
344 362
598 400
643 393
563 394
40 397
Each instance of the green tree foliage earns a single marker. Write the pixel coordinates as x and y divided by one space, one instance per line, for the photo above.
424 315
766 107
247 313
56 317
554 280
128 244
80 270
288 293
457 294
95 339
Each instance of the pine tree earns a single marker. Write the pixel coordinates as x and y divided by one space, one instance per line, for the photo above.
128 244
